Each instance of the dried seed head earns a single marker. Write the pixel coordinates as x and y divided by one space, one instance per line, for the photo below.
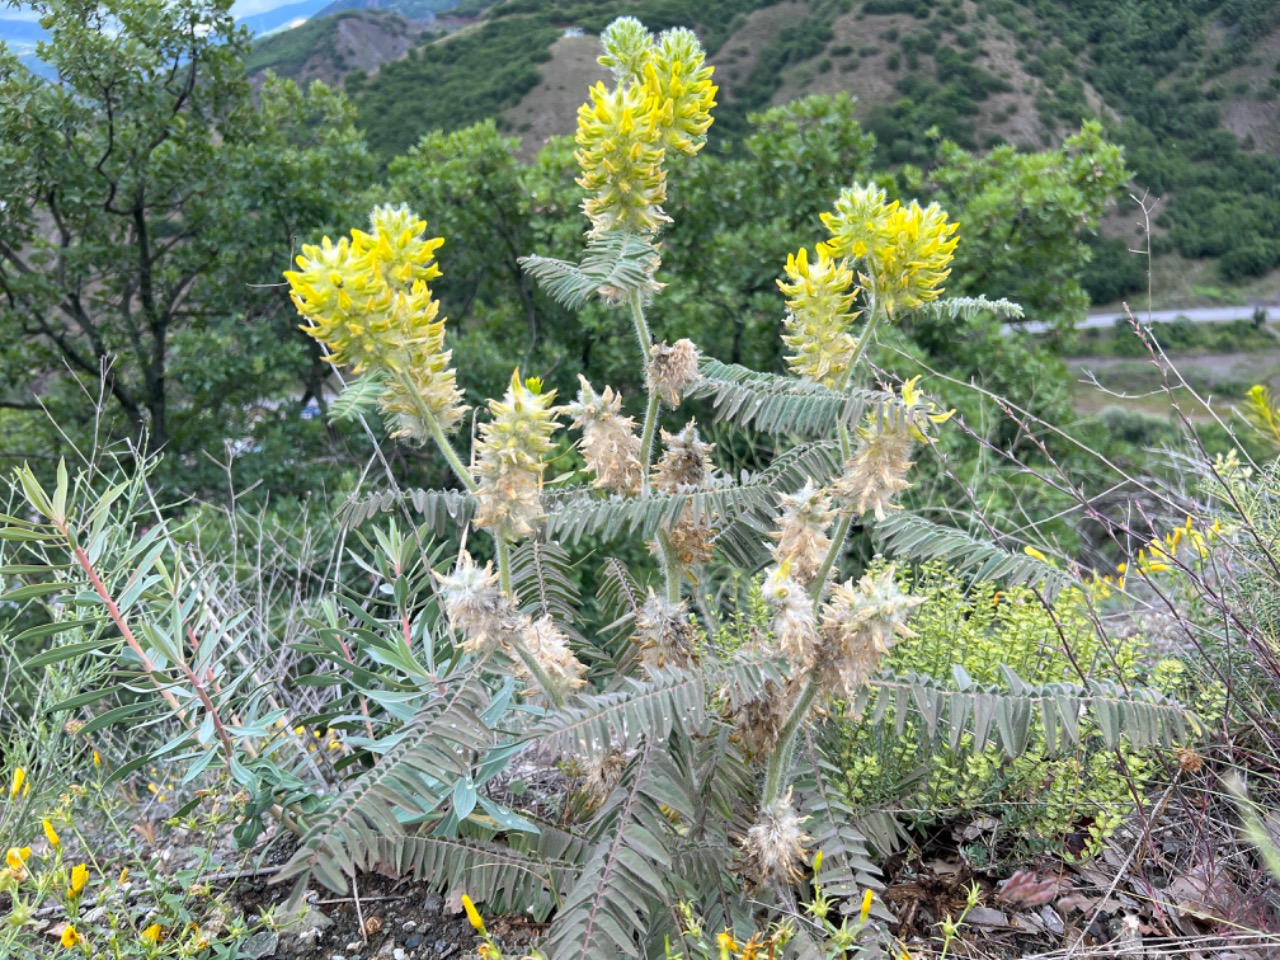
692 541
795 630
664 634
773 851
600 774
672 369
476 607
802 531
550 648
859 624
685 463
758 721
609 441
875 474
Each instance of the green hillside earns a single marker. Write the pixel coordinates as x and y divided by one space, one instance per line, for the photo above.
1188 86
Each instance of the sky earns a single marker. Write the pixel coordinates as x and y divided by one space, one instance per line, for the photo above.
241 8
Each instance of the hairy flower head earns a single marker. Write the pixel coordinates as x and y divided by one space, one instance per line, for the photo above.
878 469
692 538
758 720
628 46
860 622
802 531
664 634
819 316
685 463
795 630
672 369
397 245
509 458
904 252
610 444
549 646
773 851
476 606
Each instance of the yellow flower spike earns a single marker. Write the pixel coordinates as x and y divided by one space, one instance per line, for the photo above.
51 835
20 785
819 318
473 914
621 159
70 938
151 935
79 877
866 906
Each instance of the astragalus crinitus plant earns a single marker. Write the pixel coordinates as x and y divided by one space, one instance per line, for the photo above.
687 736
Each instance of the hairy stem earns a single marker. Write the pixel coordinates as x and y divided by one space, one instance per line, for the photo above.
437 433
775 778
671 564
534 667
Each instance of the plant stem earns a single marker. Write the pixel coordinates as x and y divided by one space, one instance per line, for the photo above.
503 550
437 433
672 566
642 326
645 339
775 777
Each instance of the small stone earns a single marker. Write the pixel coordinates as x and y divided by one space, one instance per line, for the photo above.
409 926
434 903
353 946
986 917
1052 921
397 954
262 944
414 942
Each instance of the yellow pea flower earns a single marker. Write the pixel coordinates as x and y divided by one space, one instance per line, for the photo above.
79 877
151 935
54 840
866 905
69 937
1035 554
20 784
473 914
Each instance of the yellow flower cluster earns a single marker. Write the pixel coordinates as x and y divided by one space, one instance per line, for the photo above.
662 101
509 458
819 314
366 300
904 252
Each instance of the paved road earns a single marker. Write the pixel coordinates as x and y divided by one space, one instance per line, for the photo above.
1106 318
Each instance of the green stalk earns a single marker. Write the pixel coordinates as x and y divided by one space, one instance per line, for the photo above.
646 440
672 566
775 778
437 433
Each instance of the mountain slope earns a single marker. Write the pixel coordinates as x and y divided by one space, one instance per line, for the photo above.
333 47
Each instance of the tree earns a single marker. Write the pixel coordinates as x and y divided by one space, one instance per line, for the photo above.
147 207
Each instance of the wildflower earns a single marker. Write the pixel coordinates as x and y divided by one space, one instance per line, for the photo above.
397 246
151 935
1035 554
97 759
473 914
610 444
79 877
819 315
773 851
16 860
550 648
620 156
664 634
70 938
867 899
877 471
628 46
685 463
476 606
676 77
802 531
671 369
51 835
859 624
20 785
727 945
905 252
509 458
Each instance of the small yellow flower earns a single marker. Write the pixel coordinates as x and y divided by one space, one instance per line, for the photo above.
151 935
473 914
817 862
866 905
1035 554
726 943
69 937
16 859
97 759
20 784
123 878
54 840
79 877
